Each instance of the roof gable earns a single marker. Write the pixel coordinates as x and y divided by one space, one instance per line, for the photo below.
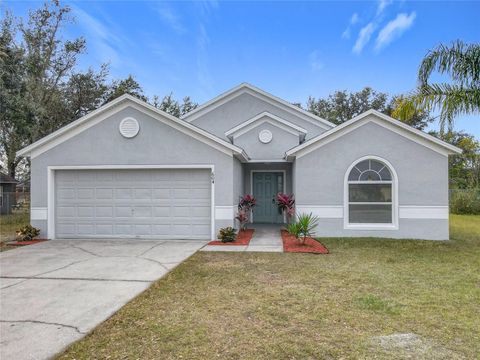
258 93
381 119
263 118
105 111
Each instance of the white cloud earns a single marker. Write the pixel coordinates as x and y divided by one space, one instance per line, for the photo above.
363 37
353 20
315 61
104 40
394 29
382 4
171 19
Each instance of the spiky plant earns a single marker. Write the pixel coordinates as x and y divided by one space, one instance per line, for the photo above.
303 227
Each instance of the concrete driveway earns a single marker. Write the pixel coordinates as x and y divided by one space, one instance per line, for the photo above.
53 293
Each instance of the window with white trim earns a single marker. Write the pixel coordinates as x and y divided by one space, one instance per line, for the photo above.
370 194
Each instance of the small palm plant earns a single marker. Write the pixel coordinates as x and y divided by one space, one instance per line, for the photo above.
303 227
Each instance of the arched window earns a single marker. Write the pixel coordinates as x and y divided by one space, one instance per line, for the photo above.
370 194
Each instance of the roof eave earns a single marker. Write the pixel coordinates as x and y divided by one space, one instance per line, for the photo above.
449 148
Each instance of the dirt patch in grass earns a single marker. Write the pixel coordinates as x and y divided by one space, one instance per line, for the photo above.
410 346
356 303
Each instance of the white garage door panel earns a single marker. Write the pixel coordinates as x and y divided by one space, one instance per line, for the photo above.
160 204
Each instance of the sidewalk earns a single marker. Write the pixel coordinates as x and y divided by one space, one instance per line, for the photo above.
266 238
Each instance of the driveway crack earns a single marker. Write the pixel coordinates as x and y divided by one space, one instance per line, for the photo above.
87 251
17 283
155 261
154 246
44 323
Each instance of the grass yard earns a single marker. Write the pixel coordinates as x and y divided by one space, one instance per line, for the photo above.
369 298
9 224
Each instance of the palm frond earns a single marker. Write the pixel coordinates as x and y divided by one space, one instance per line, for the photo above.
451 99
460 61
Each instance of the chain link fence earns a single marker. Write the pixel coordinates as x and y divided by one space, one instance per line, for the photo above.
14 202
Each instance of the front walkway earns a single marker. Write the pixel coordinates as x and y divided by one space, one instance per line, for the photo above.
55 292
266 238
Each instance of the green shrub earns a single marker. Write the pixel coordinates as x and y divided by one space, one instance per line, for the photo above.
227 234
465 202
28 232
294 229
303 227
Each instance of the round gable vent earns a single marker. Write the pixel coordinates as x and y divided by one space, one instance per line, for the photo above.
265 136
129 127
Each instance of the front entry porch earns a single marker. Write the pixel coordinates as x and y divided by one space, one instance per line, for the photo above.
264 181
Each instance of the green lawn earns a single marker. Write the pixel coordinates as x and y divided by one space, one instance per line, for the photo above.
297 306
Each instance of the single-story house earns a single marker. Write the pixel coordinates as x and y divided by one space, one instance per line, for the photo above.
7 193
129 170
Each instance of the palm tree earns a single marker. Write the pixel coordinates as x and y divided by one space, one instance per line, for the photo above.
461 62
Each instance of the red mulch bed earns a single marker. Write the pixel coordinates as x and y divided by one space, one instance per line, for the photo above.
312 246
243 238
29 242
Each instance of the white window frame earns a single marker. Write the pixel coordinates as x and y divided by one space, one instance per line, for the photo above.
346 203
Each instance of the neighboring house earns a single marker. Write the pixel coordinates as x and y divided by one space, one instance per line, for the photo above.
7 193
129 170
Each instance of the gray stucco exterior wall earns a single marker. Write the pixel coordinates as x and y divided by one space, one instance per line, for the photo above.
422 181
155 144
243 108
274 150
316 177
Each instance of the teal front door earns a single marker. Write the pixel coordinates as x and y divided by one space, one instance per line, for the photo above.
266 186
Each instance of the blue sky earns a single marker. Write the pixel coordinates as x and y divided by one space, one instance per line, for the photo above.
291 49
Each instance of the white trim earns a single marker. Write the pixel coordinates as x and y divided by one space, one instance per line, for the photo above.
423 212
117 105
253 126
289 126
38 213
265 136
128 167
269 161
394 183
51 186
124 132
405 211
284 172
387 122
50 203
212 203
245 88
322 211
224 213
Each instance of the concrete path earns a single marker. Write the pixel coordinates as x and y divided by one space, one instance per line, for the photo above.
53 293
266 238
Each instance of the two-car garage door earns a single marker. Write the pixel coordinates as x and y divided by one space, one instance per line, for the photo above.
140 203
